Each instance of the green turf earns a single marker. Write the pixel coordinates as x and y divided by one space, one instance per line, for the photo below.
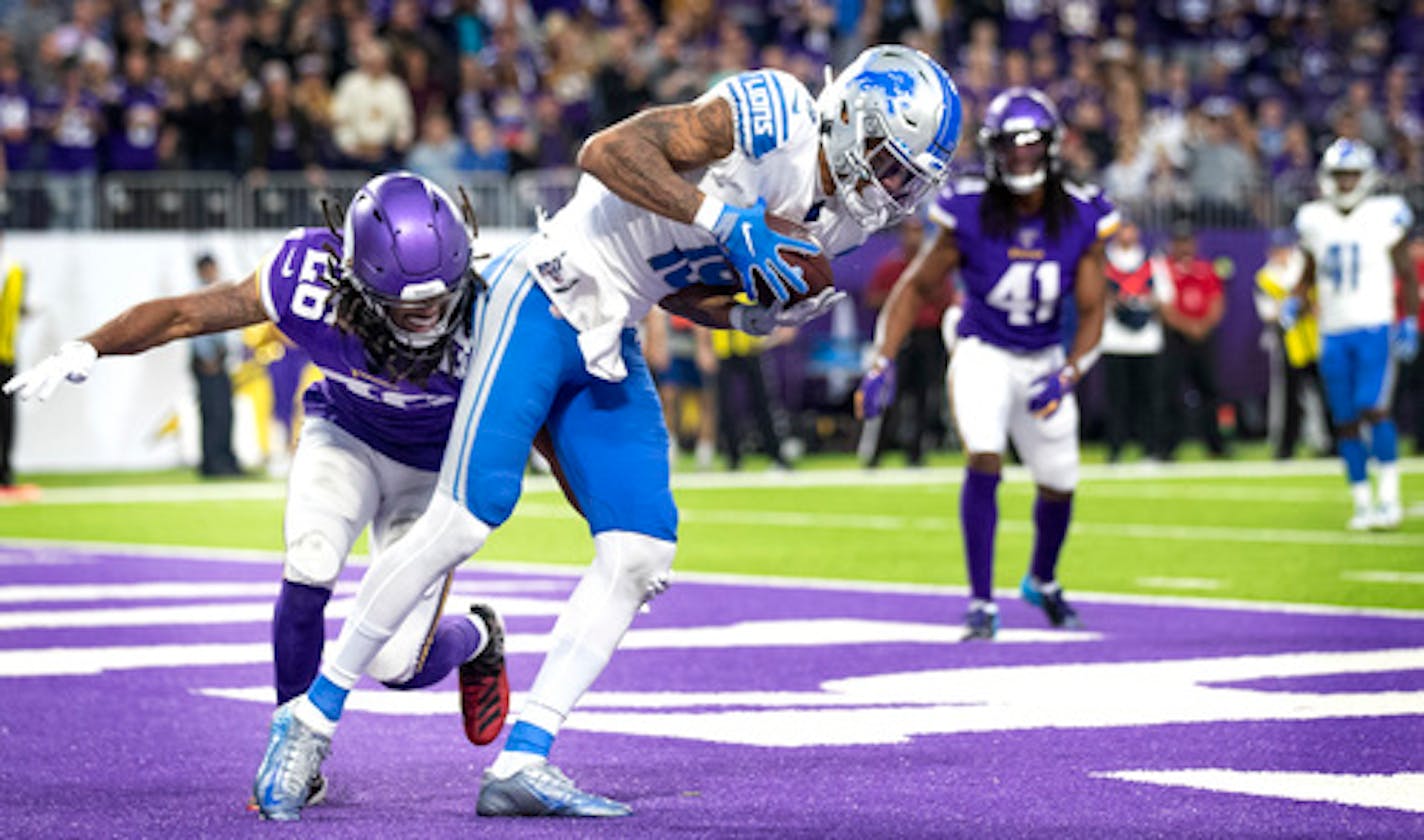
1273 537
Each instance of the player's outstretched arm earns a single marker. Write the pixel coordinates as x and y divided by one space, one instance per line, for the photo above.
919 284
153 323
141 327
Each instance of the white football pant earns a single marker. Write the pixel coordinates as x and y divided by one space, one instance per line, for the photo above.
337 486
989 390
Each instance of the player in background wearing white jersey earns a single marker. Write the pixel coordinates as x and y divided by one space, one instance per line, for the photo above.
1355 245
555 345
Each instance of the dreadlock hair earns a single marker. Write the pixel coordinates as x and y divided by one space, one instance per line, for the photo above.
387 357
999 218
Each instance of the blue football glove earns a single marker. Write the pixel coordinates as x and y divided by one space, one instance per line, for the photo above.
1406 339
751 246
1047 392
1290 312
877 389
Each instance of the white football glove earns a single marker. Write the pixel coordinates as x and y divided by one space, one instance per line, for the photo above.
71 361
761 320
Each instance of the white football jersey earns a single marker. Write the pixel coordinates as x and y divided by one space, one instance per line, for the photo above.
605 262
1354 275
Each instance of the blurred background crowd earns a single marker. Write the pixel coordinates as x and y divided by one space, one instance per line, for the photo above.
1204 114
1218 105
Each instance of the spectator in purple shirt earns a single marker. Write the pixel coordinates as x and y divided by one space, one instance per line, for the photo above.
136 117
16 116
74 122
1409 30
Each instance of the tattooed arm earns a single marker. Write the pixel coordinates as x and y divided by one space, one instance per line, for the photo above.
224 306
639 158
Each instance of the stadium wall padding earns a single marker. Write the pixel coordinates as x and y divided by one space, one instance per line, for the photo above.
124 417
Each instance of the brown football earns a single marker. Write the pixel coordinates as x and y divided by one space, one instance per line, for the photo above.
816 270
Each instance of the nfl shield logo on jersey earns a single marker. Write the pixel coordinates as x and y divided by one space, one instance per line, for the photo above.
552 270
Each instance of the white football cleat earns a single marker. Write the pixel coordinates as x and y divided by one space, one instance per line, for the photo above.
1363 520
1388 517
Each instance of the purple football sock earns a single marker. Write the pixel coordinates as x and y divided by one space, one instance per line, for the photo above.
1050 528
298 633
456 640
978 517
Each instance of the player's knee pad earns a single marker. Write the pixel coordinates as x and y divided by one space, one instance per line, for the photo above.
313 559
638 564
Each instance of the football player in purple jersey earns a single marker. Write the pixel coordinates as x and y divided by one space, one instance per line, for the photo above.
1023 240
382 305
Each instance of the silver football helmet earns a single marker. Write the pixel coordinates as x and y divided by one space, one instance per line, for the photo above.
889 126
1347 157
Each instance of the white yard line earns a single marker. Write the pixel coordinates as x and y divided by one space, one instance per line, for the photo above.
1121 530
944 476
504 567
1183 583
1380 576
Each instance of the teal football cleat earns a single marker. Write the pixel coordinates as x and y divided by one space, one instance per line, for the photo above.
542 790
291 769
1049 598
981 622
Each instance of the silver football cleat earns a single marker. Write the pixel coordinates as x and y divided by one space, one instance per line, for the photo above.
542 790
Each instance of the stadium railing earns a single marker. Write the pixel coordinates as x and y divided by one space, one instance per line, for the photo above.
173 200
181 200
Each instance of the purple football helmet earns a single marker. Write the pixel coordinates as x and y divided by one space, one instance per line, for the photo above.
1020 139
407 250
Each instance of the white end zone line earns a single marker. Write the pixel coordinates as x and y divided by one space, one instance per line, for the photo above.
505 567
884 477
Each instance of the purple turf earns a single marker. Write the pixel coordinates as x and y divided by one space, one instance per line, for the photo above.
138 753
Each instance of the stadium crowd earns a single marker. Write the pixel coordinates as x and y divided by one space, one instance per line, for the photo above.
1171 102
1213 109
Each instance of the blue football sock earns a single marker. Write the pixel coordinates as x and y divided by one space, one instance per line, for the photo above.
327 696
528 738
1384 442
1352 452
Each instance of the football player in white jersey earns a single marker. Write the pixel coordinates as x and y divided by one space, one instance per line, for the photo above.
555 346
1355 245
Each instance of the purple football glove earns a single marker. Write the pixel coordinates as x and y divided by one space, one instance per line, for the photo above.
1047 392
877 389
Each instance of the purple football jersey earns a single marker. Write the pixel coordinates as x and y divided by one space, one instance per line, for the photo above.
1014 288
133 140
402 420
